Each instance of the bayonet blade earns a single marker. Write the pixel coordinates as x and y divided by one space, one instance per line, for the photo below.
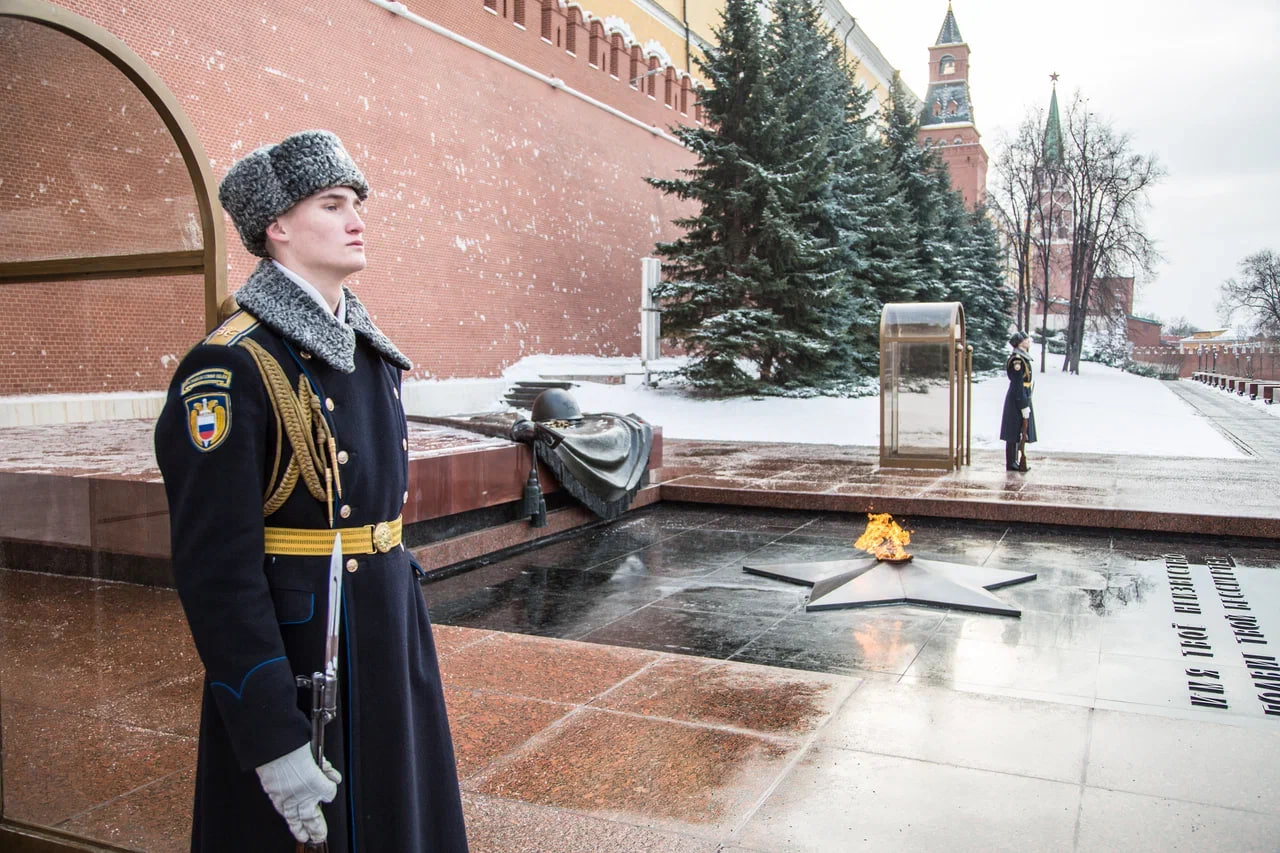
335 607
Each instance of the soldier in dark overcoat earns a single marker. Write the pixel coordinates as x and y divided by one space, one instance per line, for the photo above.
283 426
1018 424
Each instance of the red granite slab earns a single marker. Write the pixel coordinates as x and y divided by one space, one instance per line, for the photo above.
755 698
58 763
488 725
155 817
73 488
698 780
539 668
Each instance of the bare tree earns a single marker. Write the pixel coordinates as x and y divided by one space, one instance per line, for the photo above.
1108 185
1256 294
1181 327
1015 199
1049 213
1030 204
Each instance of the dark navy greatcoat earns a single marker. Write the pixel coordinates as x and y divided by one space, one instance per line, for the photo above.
1017 398
258 620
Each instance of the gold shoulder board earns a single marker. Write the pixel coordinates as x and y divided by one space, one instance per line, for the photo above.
232 329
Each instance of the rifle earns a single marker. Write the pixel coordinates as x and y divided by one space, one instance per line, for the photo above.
324 685
1022 446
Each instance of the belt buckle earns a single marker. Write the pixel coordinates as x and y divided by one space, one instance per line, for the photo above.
383 540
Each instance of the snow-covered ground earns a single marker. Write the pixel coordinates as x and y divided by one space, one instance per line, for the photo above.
1102 410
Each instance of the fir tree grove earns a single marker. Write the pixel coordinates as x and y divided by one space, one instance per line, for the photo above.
811 216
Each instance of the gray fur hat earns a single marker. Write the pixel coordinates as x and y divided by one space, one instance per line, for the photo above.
274 178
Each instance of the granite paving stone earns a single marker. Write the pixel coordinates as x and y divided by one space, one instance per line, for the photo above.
761 699
169 704
951 661
688 632
1033 628
1116 820
894 727
488 725
1047 740
58 763
1162 683
449 639
695 779
155 817
846 800
1191 760
689 554
533 667
780 601
541 613
884 640
496 825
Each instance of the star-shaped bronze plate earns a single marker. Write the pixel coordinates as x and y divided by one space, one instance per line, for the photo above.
868 582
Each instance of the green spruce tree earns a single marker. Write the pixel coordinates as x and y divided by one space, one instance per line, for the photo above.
715 271
809 251
878 229
711 269
915 171
991 303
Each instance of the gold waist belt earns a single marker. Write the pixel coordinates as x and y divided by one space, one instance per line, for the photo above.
367 539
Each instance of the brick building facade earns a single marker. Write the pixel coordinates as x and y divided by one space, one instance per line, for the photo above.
508 217
507 142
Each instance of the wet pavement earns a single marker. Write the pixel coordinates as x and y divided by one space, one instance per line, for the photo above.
670 579
1138 493
671 702
1254 431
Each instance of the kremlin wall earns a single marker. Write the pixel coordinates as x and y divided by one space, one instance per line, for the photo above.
506 141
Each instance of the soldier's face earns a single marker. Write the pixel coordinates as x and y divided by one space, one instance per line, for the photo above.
322 233
1025 344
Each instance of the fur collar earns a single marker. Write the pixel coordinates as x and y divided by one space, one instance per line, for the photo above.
280 305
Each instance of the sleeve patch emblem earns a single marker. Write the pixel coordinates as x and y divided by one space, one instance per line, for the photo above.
214 377
208 419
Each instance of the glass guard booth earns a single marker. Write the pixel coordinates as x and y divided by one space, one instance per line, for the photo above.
926 381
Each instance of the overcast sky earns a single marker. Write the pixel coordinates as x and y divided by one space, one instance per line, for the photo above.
1197 84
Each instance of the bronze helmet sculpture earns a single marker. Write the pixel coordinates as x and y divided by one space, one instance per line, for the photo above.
555 404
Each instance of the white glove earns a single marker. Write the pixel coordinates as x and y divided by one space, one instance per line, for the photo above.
1026 413
296 787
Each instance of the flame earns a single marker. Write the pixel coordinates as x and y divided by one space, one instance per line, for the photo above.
883 538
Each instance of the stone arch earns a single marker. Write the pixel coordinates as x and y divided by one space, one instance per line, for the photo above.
209 260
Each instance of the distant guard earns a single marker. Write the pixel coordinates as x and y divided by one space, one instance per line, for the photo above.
1018 426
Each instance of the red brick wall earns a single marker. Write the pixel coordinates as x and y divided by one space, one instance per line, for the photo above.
1142 333
1257 361
89 167
96 336
507 217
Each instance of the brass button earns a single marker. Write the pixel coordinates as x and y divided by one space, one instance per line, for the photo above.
345 511
404 443
328 403
352 565
342 457
305 354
